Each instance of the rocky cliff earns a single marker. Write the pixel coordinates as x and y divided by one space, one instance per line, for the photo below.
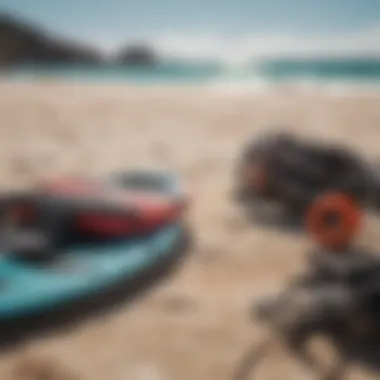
21 43
136 55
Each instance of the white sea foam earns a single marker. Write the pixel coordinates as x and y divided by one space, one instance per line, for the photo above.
258 84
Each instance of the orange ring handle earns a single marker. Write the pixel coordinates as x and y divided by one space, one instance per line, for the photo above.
348 219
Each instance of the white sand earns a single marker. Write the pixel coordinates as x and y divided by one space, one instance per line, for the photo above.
51 128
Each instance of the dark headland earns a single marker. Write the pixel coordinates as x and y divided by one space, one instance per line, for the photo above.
23 43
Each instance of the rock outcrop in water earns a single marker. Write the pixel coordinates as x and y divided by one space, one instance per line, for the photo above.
21 43
137 55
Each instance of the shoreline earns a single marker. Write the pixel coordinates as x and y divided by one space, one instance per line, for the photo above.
254 84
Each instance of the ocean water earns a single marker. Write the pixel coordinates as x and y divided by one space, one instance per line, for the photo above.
304 72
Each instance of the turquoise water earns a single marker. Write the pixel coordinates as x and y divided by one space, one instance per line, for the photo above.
320 70
164 72
356 68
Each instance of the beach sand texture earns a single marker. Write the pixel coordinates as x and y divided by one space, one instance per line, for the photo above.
195 325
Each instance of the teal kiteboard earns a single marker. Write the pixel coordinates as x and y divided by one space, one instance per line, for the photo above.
79 270
82 271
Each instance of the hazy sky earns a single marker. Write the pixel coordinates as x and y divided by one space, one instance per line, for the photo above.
206 23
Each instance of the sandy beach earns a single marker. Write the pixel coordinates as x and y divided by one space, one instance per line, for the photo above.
50 128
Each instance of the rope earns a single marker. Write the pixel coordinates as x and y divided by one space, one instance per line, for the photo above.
255 353
252 358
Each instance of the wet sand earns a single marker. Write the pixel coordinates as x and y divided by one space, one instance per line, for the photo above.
194 326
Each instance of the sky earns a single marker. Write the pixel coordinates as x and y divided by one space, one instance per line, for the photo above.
231 27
